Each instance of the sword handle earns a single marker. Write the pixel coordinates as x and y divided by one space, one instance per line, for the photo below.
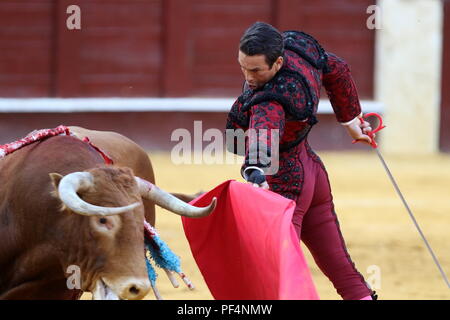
371 133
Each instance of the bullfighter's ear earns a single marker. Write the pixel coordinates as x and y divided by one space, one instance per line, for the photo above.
56 179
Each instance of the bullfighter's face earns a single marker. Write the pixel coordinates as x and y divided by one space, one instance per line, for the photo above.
256 70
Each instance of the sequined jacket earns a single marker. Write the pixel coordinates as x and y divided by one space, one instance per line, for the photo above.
287 106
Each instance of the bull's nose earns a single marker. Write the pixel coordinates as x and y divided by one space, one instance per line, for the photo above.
135 289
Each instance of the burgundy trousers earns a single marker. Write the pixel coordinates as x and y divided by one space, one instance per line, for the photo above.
318 228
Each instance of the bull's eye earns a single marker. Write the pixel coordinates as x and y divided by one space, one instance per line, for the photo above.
105 224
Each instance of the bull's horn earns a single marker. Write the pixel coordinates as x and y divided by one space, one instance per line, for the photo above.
75 181
171 203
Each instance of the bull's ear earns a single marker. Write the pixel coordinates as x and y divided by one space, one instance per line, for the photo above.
56 179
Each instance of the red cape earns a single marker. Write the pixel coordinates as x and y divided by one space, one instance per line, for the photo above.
247 249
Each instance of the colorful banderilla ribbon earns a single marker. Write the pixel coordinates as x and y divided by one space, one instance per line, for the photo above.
164 258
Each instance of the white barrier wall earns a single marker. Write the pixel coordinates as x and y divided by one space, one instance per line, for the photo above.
408 73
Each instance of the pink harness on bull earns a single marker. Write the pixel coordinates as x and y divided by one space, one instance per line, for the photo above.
32 137
155 248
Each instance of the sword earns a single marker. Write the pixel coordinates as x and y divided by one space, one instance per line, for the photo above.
391 177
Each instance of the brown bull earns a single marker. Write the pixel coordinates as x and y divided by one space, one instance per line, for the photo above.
125 152
60 206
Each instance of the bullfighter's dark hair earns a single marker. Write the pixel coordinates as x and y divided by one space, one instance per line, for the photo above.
262 38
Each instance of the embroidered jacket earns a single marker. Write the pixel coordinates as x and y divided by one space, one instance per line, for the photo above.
287 106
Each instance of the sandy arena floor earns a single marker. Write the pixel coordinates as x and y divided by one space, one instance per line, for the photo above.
379 233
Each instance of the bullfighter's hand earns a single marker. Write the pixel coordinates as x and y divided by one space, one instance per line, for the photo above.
258 179
358 130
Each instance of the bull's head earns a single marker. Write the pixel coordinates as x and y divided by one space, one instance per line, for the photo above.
109 228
